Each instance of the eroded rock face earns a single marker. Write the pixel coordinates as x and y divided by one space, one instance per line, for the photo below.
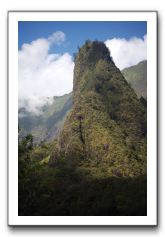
107 123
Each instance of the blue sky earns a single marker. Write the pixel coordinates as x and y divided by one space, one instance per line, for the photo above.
78 32
46 49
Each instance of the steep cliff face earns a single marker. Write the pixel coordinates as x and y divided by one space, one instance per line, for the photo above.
107 123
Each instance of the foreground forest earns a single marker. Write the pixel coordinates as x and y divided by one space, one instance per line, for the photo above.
97 164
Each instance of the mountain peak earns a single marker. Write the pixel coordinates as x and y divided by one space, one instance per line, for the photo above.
92 57
92 51
107 122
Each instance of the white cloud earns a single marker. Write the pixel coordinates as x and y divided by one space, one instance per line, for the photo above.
57 37
42 74
34 105
125 52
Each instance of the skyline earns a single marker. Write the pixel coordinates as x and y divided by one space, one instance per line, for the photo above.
78 32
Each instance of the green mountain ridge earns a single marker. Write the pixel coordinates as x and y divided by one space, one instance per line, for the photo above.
137 77
104 106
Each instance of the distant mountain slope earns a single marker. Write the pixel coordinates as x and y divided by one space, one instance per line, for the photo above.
137 77
46 125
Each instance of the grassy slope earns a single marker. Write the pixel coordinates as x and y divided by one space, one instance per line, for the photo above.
137 77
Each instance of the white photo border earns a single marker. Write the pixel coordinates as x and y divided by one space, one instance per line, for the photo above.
151 18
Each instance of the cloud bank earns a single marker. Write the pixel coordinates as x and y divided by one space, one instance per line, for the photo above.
127 53
42 74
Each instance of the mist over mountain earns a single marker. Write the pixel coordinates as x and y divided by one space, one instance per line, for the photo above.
46 124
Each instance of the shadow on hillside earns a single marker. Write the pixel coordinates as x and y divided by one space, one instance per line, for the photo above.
64 191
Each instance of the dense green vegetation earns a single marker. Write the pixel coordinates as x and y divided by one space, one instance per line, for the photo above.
69 189
97 165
